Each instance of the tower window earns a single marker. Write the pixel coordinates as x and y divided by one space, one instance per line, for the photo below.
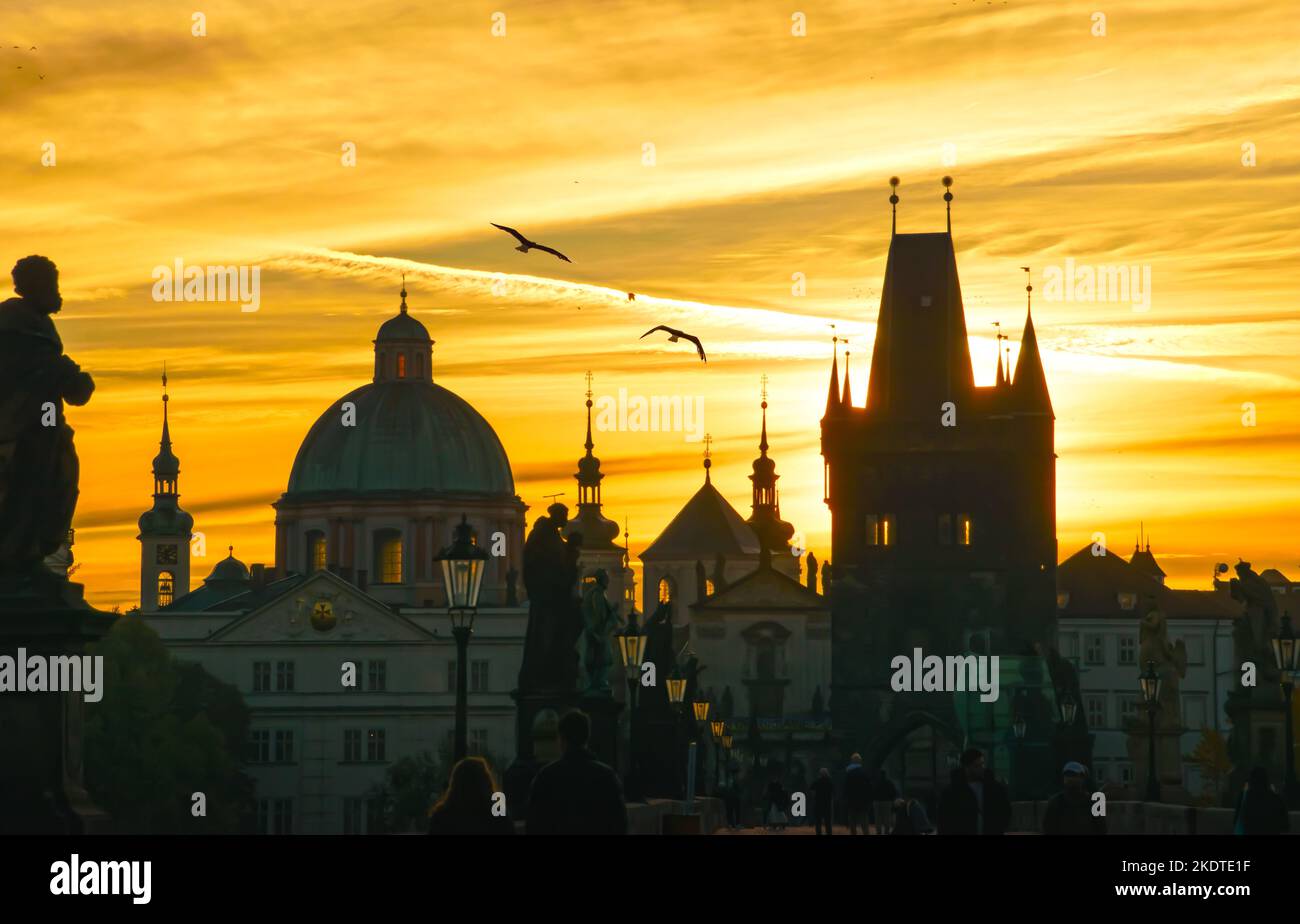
665 590
315 551
401 365
166 587
388 554
963 529
880 529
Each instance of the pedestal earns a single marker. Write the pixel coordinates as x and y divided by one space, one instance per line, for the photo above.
41 775
1258 737
1169 762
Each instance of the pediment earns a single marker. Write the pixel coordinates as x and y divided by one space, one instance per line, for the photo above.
322 608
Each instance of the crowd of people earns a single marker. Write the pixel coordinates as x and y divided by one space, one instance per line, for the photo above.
577 794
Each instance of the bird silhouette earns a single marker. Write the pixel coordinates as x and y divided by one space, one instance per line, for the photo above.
674 335
526 245
631 296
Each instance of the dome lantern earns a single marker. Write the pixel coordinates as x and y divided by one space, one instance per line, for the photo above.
403 349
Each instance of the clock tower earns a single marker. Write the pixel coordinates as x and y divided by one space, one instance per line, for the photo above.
164 530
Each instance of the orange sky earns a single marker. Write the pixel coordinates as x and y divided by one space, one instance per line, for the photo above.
771 155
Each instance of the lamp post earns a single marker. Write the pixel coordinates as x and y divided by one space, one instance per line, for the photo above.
727 742
1150 683
631 652
677 697
719 728
701 709
462 575
1285 651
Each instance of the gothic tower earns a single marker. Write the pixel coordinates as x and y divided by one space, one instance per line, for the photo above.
773 533
165 529
942 494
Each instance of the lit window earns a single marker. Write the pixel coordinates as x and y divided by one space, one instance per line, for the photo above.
963 529
315 551
708 587
166 587
665 591
1062 599
880 529
401 365
1128 601
388 547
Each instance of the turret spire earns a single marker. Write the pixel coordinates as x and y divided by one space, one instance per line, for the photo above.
833 392
846 401
708 463
403 293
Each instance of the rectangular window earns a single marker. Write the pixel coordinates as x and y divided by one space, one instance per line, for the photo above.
378 675
1096 706
963 529
1128 707
1195 649
261 676
1125 772
478 676
259 746
880 529
945 529
282 816
1127 649
284 676
284 747
352 816
478 740
375 750
351 745
1094 649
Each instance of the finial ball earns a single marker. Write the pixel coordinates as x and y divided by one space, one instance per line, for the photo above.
893 181
947 181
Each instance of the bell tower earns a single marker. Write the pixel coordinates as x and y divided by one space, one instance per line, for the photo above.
165 529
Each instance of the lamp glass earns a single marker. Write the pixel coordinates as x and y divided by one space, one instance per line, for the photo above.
701 707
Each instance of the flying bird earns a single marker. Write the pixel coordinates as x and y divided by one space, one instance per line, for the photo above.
631 296
526 245
674 335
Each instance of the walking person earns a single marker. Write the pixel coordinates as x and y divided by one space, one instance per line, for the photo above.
469 805
823 802
1260 810
857 794
910 817
1070 810
975 802
576 794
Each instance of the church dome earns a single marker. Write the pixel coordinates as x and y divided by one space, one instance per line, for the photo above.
166 521
402 327
230 570
409 436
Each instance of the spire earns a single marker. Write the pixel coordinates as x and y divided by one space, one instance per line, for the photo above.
1030 382
1002 374
708 463
833 393
893 206
847 399
947 198
403 293
166 467
766 521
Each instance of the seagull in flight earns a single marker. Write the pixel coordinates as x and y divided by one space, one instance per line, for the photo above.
526 245
674 335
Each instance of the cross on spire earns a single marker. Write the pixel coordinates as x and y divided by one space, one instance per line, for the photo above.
588 384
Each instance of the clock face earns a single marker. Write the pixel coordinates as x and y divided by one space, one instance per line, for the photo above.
322 616
166 554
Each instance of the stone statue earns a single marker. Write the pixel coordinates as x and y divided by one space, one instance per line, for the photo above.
1171 665
38 464
812 572
1255 628
826 579
595 647
551 578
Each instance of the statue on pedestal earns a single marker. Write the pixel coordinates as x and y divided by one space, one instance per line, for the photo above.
1171 666
38 464
595 648
551 580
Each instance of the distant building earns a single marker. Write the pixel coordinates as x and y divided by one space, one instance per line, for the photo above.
1101 600
376 489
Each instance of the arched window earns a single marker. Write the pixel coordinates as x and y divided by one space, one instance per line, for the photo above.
388 557
708 587
315 551
665 590
401 365
166 587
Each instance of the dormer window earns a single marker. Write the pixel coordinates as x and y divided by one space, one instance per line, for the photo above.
1128 602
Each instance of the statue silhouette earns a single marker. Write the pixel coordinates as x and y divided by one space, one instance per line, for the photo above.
38 464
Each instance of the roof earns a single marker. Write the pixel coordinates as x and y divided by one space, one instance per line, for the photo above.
229 596
410 436
1090 587
704 528
402 327
1145 562
764 588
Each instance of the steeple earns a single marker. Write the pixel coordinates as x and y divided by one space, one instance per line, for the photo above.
165 529
833 393
166 467
772 532
846 401
708 463
1002 379
1030 383
598 532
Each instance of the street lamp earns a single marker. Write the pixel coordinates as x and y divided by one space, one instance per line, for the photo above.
677 697
1285 651
1150 682
631 652
719 728
462 575
1069 708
